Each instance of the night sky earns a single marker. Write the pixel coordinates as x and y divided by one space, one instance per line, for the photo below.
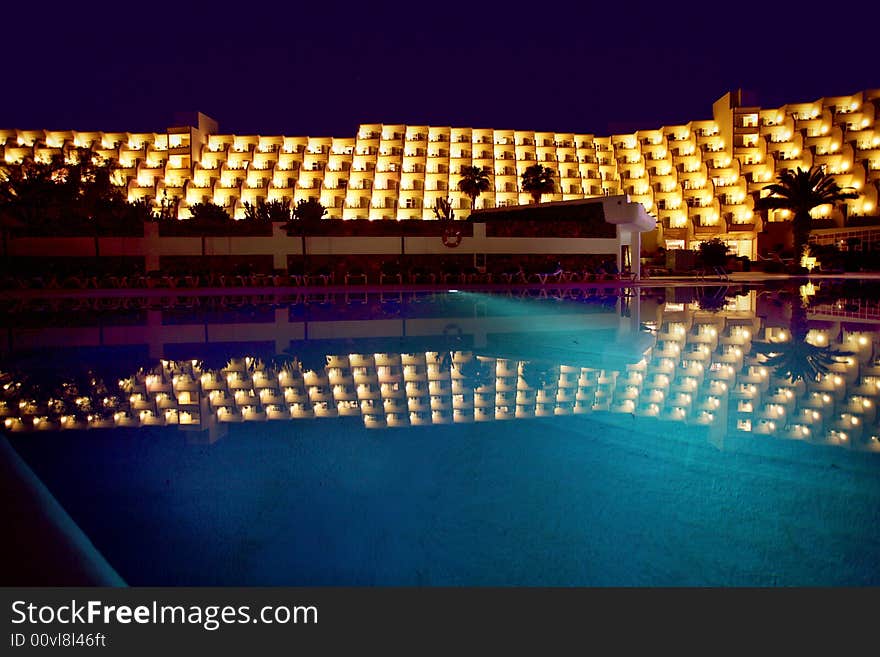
321 68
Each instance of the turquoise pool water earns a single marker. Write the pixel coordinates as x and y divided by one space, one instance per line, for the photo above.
596 438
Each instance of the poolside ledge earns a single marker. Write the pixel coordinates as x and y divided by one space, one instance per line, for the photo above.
46 547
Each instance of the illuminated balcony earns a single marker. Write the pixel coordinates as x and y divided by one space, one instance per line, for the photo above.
706 225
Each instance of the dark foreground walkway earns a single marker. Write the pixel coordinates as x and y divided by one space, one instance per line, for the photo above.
43 546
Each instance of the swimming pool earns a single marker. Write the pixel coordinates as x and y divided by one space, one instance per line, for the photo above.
580 436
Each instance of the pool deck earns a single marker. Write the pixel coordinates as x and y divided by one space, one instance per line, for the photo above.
737 278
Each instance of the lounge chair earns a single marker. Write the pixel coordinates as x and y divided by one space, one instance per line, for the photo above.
391 274
514 276
555 276
392 297
359 297
453 275
651 271
608 271
322 276
355 275
474 275
421 275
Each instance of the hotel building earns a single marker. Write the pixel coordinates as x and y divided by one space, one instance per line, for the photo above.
699 179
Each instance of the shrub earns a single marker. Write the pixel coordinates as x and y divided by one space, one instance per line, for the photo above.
714 252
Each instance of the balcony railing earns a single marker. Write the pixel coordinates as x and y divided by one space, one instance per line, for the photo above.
708 229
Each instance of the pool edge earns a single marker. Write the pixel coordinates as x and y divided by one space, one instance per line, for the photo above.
49 548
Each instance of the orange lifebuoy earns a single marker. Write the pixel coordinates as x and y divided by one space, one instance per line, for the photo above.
451 237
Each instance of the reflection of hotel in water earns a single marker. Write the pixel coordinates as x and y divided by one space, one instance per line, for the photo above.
691 367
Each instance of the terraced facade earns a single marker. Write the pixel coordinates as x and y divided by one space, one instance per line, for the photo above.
700 179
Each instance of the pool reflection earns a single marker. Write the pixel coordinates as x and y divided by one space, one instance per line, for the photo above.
785 363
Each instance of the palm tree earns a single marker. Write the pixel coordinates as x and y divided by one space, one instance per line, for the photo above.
800 191
474 181
537 180
796 359
306 217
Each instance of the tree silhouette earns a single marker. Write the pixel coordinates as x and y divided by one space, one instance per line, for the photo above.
712 298
800 191
77 192
307 215
305 219
209 213
538 374
30 191
474 181
477 372
167 208
713 252
72 194
796 359
443 210
537 180
277 210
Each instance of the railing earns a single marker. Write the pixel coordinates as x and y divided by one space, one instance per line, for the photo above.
851 308
704 229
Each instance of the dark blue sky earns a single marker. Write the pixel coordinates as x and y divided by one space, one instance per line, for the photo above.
321 68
